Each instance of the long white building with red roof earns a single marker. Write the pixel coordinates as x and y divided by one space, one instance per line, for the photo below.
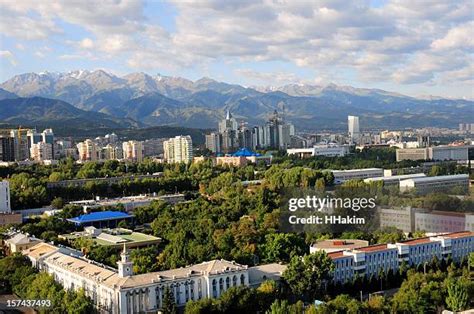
371 260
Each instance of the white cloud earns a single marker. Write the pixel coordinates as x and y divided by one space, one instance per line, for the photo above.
86 43
457 37
6 54
407 42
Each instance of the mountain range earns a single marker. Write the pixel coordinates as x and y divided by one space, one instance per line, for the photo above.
142 100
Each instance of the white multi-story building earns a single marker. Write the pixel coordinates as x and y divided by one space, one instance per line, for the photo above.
41 151
88 151
371 260
5 202
328 150
178 149
121 291
353 126
425 185
341 176
133 151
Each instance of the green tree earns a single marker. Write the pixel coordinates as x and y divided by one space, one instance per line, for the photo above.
57 203
279 307
79 303
280 247
169 304
344 304
457 298
8 271
307 275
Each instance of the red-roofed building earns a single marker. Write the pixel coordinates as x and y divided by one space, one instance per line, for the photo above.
370 260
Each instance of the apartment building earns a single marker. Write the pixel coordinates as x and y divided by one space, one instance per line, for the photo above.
88 151
178 149
133 151
41 151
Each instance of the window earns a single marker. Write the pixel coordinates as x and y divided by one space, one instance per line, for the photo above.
221 285
214 288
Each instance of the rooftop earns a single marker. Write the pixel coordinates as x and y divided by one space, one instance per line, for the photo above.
113 237
357 170
374 248
416 241
245 152
99 216
340 244
398 177
40 249
439 178
211 267
460 234
334 255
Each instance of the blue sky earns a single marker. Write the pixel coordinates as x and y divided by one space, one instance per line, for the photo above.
404 46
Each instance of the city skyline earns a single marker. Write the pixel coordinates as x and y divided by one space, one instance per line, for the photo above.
414 49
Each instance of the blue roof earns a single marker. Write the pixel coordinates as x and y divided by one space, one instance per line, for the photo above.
99 216
245 152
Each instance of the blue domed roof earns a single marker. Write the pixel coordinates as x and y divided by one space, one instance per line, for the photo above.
245 152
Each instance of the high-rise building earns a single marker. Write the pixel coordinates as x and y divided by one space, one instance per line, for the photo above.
229 141
229 123
33 137
276 133
5 206
214 142
153 147
41 151
178 149
7 148
133 151
111 138
111 152
20 139
88 151
245 138
353 124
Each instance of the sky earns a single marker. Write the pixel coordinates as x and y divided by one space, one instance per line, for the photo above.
412 47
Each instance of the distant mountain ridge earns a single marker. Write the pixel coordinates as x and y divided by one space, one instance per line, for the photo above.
47 112
175 101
